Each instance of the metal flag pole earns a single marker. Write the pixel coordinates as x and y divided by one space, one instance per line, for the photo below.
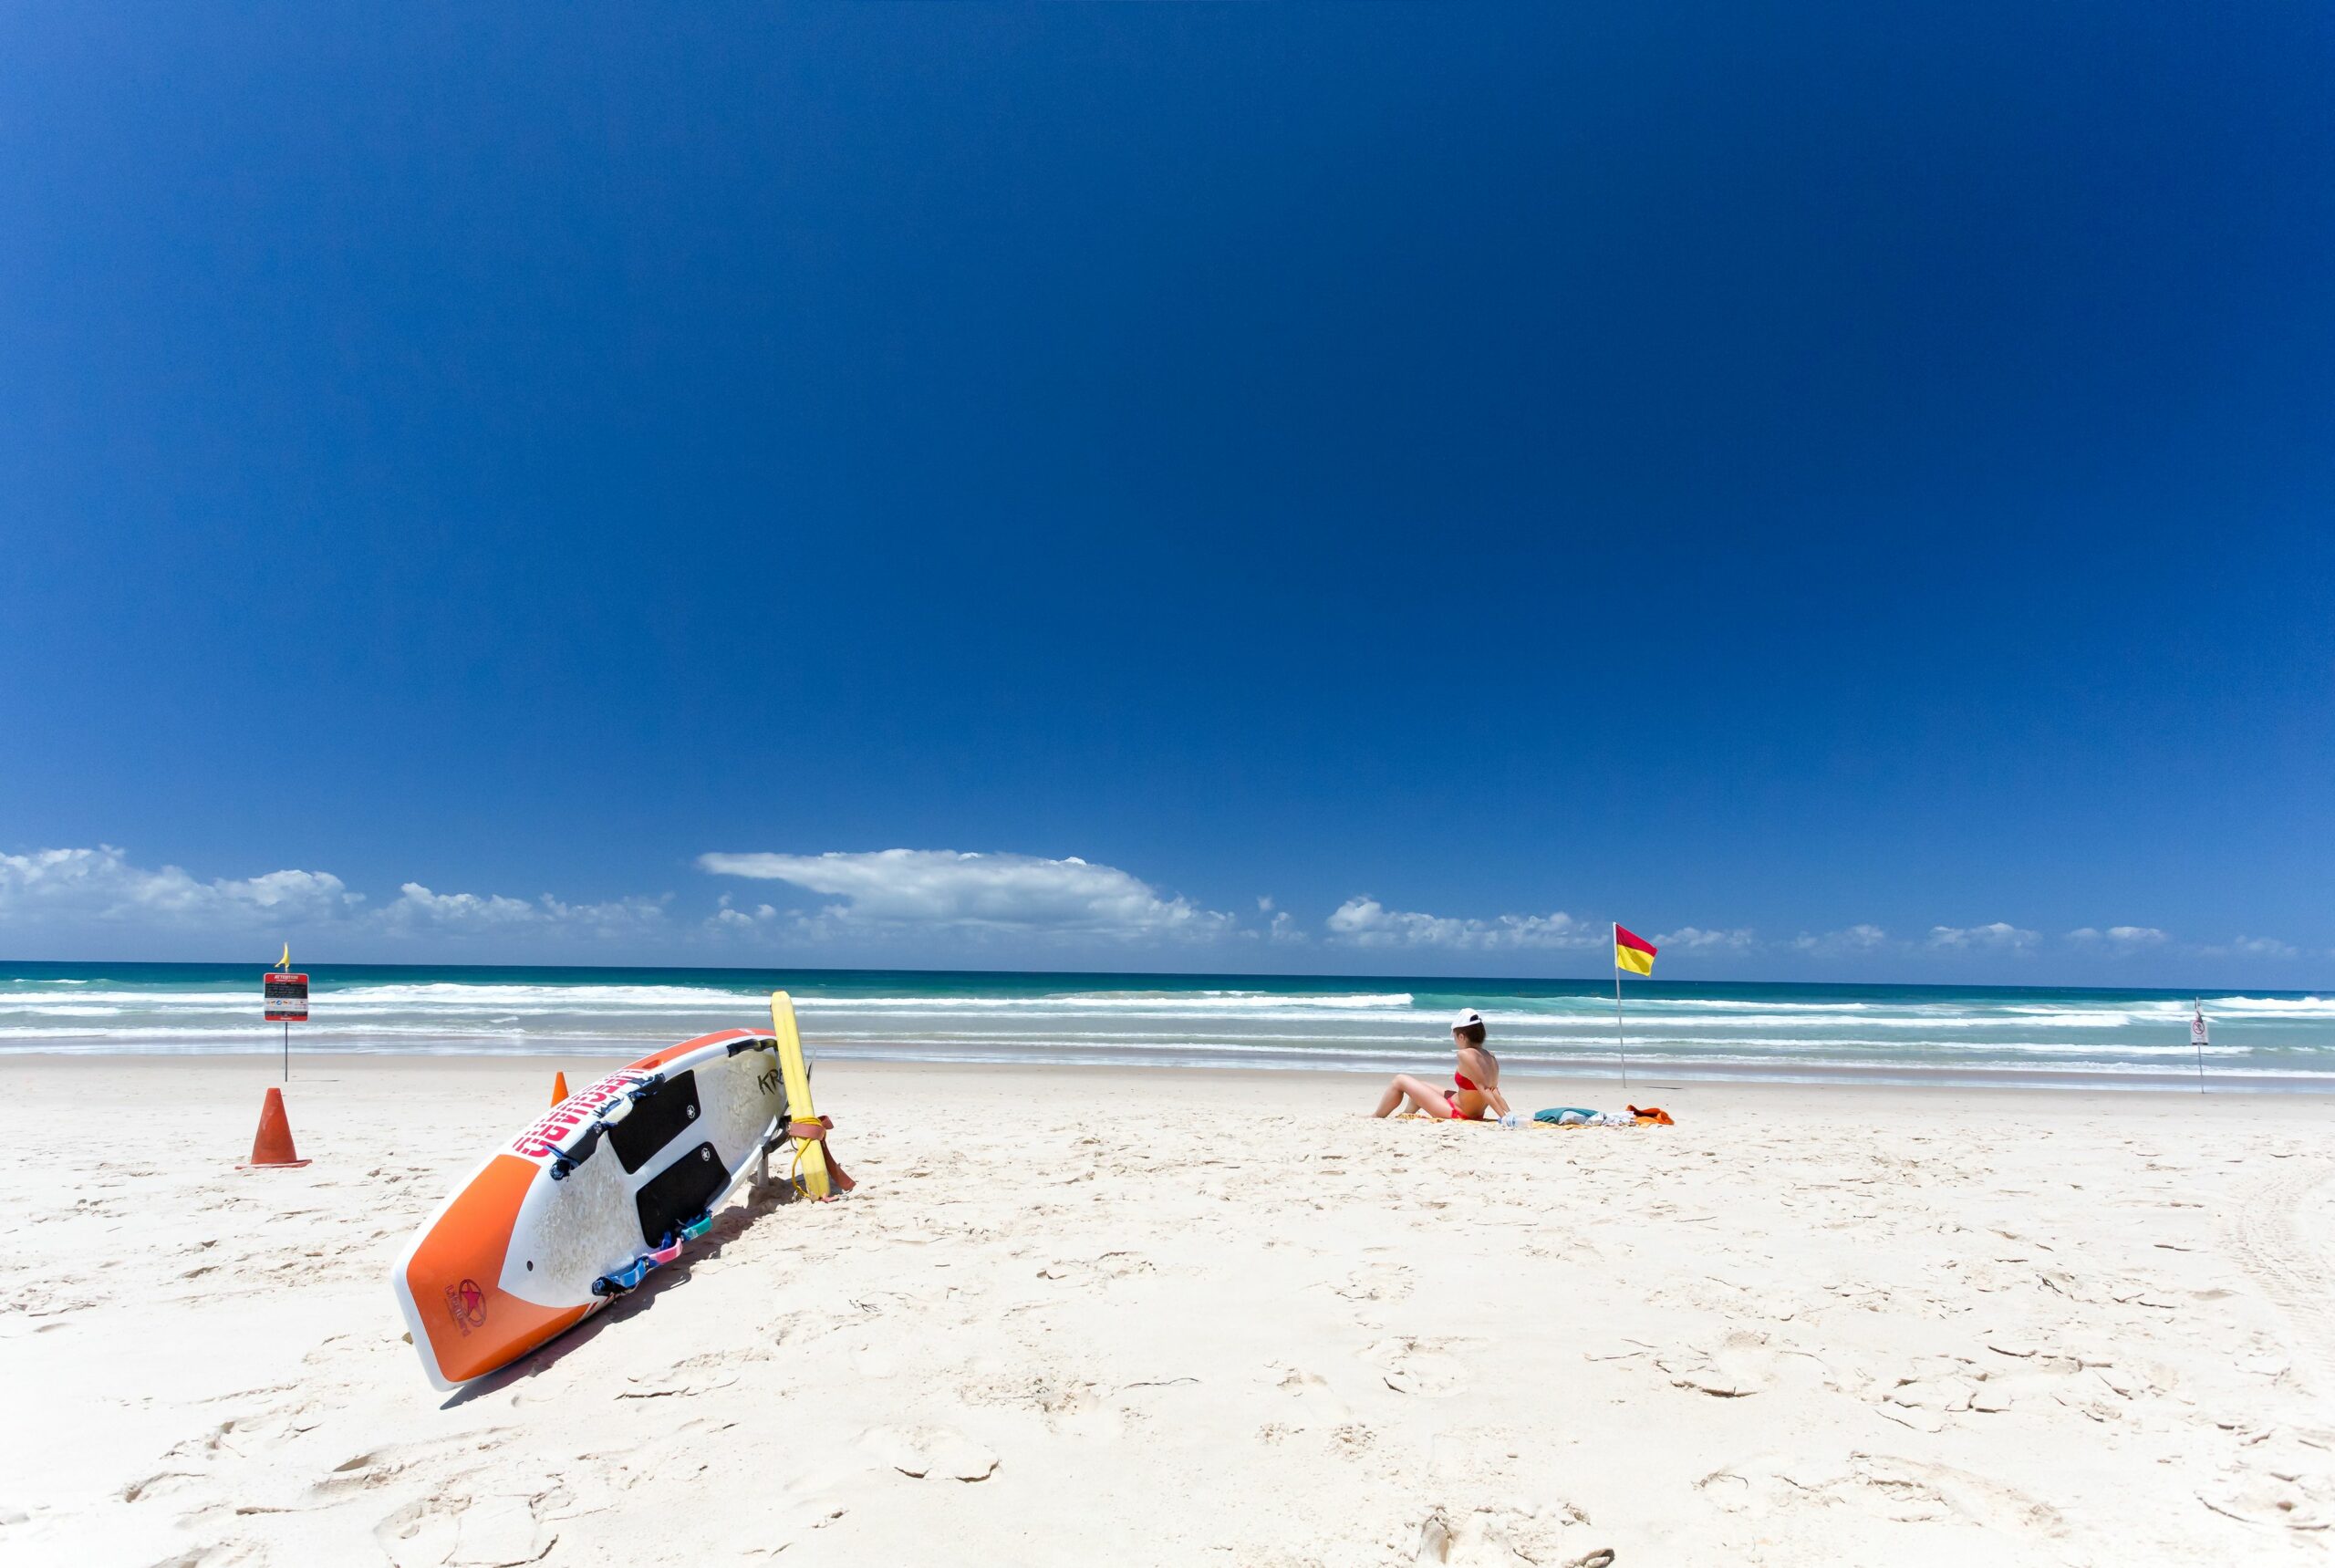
1621 1039
2197 1038
285 966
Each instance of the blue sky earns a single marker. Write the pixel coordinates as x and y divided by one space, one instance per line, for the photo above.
1844 489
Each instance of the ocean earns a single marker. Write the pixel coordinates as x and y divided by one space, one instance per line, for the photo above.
2042 1036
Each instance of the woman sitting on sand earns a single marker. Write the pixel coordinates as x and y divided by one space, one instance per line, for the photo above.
1477 1077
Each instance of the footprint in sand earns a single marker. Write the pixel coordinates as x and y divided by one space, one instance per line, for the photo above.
162 1483
1314 1397
1932 1389
384 1463
1741 1365
1378 1283
2285 1480
498 1532
501 1529
925 1451
1093 1272
1902 1491
692 1374
421 1533
1465 1537
356 1472
1418 1366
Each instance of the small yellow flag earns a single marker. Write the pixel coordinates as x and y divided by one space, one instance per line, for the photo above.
285 964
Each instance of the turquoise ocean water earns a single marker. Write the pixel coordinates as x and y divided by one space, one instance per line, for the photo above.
1677 1030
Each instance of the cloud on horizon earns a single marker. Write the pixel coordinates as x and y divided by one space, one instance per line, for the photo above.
1694 939
1364 922
100 887
884 898
892 890
1858 938
2127 938
1999 936
2252 947
418 909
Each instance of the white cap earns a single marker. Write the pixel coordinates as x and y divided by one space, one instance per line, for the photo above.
1468 1018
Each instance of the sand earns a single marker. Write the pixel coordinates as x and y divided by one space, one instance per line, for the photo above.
1098 1316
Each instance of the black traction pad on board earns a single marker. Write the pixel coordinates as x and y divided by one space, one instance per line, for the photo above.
655 1121
679 1192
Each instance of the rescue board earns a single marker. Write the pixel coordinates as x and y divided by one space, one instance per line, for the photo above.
580 1207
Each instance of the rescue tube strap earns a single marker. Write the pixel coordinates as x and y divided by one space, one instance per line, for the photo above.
809 1133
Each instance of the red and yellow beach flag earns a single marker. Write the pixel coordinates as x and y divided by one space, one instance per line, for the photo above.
1631 951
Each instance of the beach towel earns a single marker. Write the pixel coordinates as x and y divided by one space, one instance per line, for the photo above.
1581 1117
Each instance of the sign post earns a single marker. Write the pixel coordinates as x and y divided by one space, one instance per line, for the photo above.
2197 1039
286 997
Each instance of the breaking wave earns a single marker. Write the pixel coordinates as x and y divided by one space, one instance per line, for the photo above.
1791 1032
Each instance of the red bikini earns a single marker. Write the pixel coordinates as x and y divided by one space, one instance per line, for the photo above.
1451 1098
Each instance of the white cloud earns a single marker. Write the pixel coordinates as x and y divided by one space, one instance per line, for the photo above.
1856 938
1023 895
2120 936
1999 936
1694 939
418 909
78 887
1284 928
418 906
726 917
1364 922
2254 947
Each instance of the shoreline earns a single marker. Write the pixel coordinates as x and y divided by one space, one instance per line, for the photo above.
1595 1076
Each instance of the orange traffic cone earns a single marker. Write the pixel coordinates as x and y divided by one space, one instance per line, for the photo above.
273 1146
558 1087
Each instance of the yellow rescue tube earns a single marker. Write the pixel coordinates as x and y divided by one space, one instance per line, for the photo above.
809 1157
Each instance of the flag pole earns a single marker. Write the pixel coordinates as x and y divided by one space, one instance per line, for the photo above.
1621 1039
285 966
2197 1038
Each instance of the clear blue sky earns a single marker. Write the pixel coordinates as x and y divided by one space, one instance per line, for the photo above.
1755 473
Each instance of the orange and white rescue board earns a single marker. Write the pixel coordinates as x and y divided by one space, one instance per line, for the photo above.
579 1207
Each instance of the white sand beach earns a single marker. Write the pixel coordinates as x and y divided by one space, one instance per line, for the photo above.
1181 1317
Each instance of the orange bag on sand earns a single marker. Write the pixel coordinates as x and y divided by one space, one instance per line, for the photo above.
1653 1114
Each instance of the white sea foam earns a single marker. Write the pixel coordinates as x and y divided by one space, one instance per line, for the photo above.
1113 1002
2089 1037
2268 1007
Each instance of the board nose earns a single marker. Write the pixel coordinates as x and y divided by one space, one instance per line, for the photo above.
453 1278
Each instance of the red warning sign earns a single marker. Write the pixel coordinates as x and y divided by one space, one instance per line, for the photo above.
287 998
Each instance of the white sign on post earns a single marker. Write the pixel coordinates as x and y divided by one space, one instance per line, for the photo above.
2197 1043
